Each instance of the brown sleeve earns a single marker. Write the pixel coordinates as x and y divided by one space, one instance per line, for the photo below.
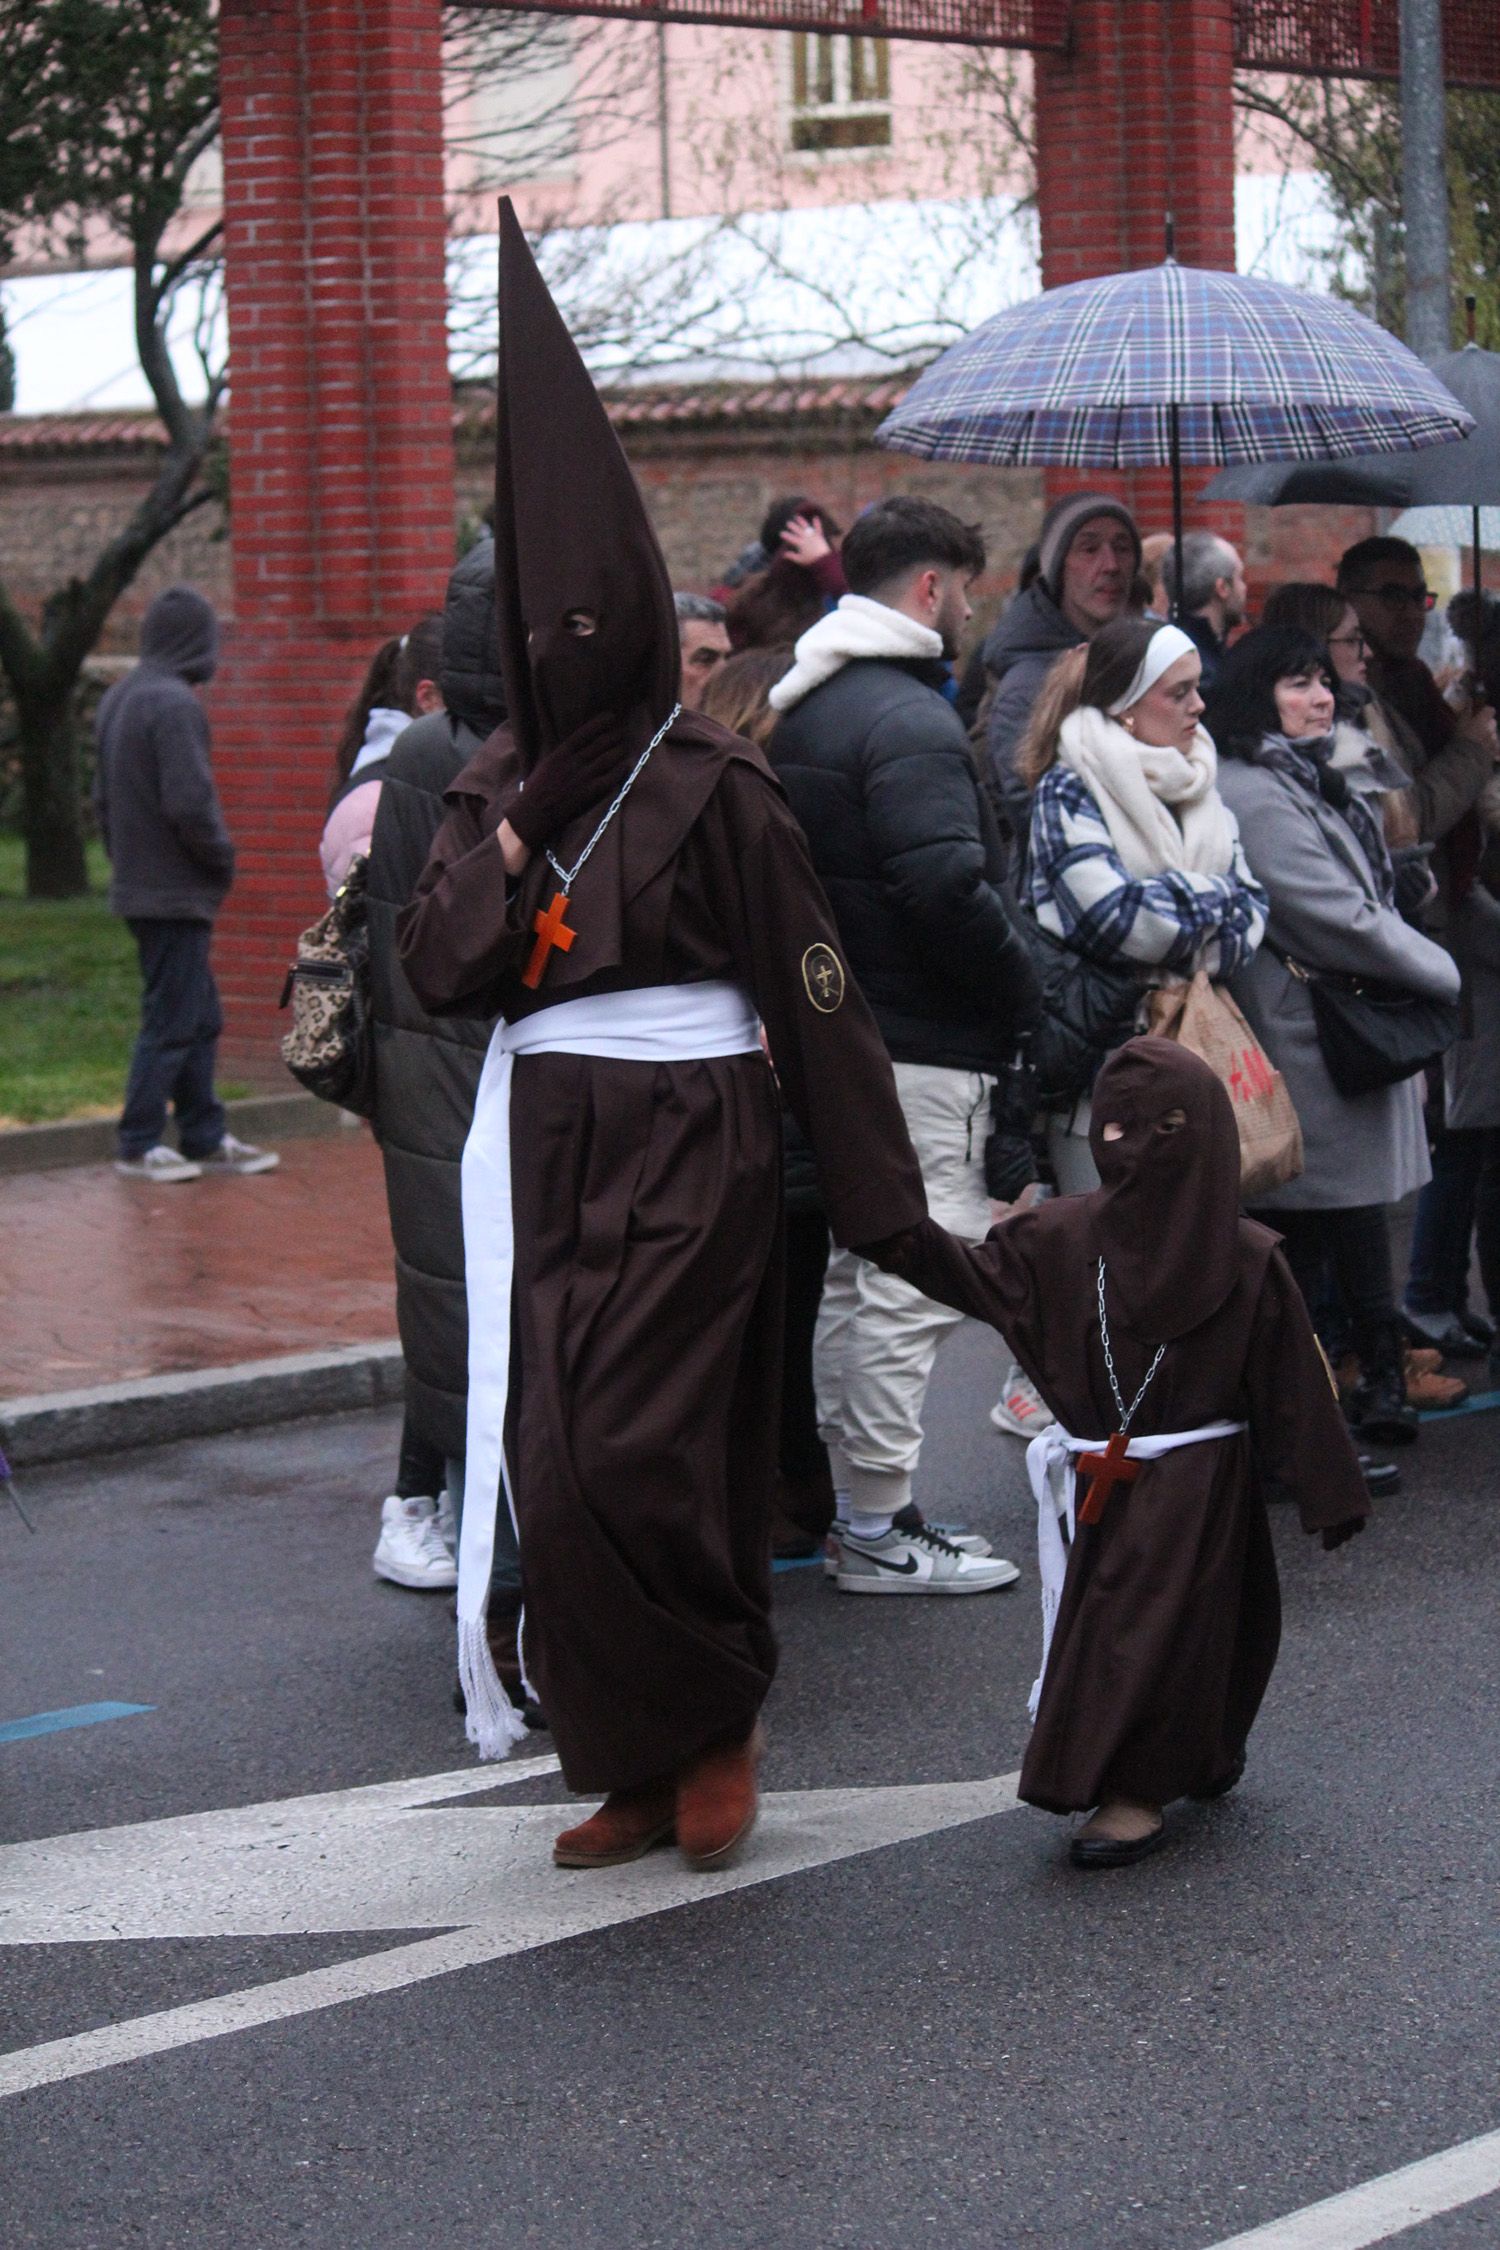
990 1280
461 929
829 1056
1303 1450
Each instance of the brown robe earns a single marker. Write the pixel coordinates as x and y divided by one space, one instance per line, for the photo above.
645 1392
1171 1614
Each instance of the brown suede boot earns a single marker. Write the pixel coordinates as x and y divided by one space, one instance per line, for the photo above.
627 1826
717 1800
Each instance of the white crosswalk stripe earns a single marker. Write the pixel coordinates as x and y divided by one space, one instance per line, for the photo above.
401 1855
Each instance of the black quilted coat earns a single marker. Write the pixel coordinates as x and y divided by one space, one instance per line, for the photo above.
879 772
427 1070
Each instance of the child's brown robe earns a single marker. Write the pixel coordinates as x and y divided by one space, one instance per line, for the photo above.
1170 1615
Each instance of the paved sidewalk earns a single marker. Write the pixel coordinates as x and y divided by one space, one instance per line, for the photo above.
108 1281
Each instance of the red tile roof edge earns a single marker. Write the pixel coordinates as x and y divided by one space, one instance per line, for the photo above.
631 407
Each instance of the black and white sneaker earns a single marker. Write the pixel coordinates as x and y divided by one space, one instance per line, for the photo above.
910 1518
916 1562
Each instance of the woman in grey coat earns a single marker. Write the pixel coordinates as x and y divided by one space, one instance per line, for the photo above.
1317 849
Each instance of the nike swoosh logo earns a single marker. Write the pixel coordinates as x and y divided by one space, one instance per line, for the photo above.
907 1569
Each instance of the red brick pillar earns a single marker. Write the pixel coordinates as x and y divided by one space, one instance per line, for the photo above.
1135 120
340 430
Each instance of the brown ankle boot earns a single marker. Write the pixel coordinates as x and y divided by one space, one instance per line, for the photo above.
717 1800
626 1826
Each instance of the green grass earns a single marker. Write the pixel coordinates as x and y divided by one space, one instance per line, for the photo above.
69 998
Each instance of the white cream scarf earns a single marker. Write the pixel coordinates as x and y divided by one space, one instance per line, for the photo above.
1162 807
857 628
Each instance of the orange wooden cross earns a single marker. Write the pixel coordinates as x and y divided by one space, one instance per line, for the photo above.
551 930
1105 1470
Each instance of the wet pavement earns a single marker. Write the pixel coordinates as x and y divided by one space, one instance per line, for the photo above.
105 1280
280 1965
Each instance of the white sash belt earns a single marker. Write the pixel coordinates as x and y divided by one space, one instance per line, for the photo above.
1049 1464
662 1023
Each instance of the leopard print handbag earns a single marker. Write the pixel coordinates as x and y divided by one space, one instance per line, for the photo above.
330 1048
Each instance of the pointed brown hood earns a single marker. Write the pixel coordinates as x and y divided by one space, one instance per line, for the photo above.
1166 1214
585 604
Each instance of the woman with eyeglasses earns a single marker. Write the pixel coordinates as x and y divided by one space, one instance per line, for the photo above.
1376 751
1316 846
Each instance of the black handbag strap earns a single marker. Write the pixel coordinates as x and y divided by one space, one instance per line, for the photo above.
1336 980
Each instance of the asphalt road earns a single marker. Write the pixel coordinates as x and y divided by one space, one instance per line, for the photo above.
376 2017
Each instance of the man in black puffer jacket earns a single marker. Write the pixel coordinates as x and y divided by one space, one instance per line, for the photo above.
427 1068
878 770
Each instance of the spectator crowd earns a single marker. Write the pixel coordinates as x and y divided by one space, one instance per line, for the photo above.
1125 785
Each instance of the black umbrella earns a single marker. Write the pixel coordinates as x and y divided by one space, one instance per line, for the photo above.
1464 475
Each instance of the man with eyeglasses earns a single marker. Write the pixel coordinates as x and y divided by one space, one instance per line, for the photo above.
1383 580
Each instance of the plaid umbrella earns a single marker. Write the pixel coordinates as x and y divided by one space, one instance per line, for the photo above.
1130 370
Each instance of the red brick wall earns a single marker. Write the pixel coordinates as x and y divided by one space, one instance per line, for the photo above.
341 470
1134 121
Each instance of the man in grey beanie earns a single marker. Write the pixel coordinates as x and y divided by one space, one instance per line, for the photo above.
171 864
1088 554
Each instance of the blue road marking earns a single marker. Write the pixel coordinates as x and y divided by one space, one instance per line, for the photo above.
799 1562
77 1715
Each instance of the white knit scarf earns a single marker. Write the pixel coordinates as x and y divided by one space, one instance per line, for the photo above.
857 628
1162 807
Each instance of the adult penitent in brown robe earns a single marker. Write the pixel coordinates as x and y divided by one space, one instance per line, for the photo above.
643 1410
1170 1615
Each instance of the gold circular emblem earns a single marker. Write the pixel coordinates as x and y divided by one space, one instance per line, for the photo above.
823 976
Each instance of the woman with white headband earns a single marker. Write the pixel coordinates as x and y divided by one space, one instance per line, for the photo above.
1134 858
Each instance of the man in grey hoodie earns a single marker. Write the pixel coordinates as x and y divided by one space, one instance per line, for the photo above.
1089 551
171 864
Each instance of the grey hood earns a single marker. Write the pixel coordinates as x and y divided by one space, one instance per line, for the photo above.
180 634
473 689
1033 625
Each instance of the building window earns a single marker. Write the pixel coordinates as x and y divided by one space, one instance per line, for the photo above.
841 92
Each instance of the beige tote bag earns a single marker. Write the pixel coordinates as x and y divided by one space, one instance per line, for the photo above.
1201 1017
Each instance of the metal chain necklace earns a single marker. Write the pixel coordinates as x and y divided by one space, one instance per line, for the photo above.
554 933
1113 1466
1127 1413
568 876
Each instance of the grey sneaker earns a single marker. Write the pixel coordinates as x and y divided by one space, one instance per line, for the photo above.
910 1518
238 1156
959 1535
160 1163
1020 1409
916 1562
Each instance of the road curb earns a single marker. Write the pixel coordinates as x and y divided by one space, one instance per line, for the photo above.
91 1140
111 1417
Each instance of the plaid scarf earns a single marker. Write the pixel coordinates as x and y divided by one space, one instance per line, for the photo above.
1307 762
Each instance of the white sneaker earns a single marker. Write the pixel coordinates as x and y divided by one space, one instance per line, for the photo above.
916 1562
238 1156
410 1549
160 1163
910 1518
447 1522
1020 1408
